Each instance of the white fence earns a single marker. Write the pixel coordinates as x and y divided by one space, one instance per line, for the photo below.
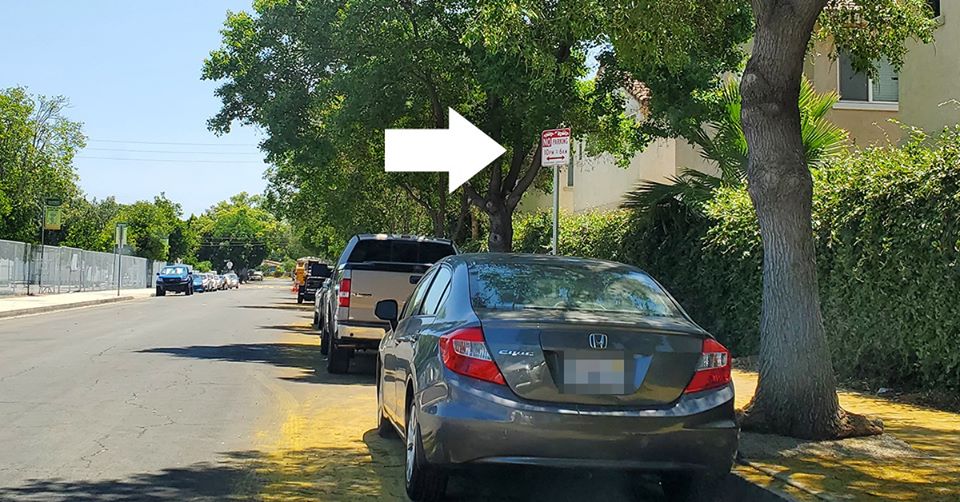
30 268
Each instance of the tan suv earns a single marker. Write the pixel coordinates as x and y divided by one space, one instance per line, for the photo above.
372 267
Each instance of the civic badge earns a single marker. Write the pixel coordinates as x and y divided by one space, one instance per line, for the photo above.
598 341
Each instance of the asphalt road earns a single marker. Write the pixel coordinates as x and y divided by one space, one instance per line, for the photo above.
211 397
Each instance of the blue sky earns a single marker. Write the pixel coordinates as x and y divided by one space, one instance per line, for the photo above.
131 71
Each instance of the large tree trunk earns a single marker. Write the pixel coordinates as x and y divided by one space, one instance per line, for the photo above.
500 239
796 395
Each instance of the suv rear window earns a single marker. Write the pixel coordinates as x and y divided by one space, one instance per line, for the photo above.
400 251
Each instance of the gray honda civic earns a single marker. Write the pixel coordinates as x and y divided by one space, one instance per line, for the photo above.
510 359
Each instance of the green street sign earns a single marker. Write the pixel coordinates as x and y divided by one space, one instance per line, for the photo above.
52 213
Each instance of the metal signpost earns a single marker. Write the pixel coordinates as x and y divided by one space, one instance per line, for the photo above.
555 153
121 238
52 219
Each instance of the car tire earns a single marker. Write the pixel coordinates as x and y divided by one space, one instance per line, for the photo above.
161 292
384 427
338 360
423 482
691 487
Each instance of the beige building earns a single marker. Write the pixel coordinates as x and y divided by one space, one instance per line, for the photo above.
925 94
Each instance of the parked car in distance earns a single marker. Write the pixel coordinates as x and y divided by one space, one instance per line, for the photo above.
198 282
316 273
372 267
232 280
174 278
256 275
209 281
554 362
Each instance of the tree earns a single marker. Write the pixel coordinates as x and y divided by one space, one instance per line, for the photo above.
37 145
85 221
686 45
723 144
325 81
238 231
149 226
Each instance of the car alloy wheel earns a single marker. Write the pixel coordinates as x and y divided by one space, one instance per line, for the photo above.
424 482
412 438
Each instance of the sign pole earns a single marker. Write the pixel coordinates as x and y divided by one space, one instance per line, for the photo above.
556 209
555 153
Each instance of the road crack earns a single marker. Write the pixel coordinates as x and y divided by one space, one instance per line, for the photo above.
88 459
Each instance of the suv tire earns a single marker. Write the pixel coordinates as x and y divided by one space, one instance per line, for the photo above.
324 340
161 292
338 360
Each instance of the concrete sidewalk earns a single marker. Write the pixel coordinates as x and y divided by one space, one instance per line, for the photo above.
11 306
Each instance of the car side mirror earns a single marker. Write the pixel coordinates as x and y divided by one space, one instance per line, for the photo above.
387 310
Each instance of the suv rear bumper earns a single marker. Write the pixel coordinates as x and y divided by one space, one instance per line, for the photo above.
366 335
471 426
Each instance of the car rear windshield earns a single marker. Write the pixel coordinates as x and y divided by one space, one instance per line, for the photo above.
400 251
567 287
173 270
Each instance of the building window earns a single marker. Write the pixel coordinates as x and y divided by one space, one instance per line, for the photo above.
857 86
935 5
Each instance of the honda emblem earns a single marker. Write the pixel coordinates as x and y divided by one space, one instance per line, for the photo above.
598 341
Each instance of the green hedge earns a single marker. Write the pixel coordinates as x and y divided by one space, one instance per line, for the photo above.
887 226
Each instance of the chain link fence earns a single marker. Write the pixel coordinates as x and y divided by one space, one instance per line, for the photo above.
34 269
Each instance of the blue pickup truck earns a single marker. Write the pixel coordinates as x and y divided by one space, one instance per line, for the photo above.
175 278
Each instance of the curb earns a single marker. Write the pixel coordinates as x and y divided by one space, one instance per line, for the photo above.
64 306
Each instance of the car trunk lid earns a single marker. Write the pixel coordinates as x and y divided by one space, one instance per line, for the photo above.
591 359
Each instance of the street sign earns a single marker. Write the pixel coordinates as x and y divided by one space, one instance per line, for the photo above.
52 213
121 236
555 149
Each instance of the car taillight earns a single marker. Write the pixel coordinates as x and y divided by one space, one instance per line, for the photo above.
465 352
713 368
343 297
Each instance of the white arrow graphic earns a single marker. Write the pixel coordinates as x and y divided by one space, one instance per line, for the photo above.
462 150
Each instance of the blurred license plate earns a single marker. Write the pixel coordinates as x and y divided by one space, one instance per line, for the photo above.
595 375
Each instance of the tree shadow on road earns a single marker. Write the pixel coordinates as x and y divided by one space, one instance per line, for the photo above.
229 479
293 328
304 357
279 306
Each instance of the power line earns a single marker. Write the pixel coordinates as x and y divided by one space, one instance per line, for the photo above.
167 143
175 161
170 151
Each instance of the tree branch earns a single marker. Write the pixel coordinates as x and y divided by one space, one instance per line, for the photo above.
514 198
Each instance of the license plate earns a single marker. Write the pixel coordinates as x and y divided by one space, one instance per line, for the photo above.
603 374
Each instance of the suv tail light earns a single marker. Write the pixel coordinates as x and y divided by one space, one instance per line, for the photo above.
343 297
713 369
465 352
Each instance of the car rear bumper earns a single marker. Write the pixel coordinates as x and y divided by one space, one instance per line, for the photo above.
484 423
